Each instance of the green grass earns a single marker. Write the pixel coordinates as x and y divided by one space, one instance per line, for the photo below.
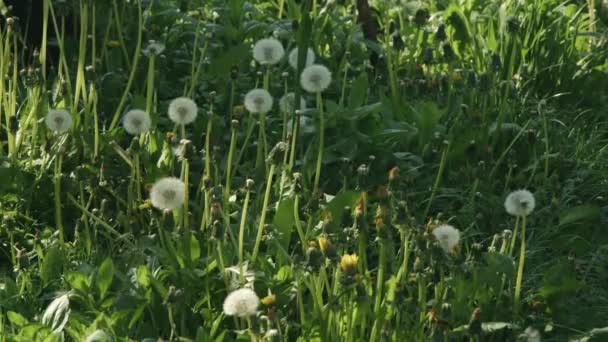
333 231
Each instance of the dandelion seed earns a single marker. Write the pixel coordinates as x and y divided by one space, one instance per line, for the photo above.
287 103
183 110
242 303
136 121
520 203
168 193
447 236
315 78
268 51
258 101
58 120
293 58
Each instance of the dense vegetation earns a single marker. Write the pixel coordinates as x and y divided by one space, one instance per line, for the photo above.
158 180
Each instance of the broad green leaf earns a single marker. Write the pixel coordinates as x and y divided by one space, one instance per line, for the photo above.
104 277
78 281
579 213
336 206
500 263
358 92
52 265
284 221
195 248
16 318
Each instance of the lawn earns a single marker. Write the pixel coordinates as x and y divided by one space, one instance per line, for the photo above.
303 170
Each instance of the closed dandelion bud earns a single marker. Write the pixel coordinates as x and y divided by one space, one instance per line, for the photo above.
297 183
347 216
512 24
277 153
234 72
206 182
440 34
172 294
217 232
495 63
234 124
427 56
249 183
448 52
418 264
269 300
13 124
327 248
349 264
475 323
421 17
314 257
216 211
446 309
238 111
23 259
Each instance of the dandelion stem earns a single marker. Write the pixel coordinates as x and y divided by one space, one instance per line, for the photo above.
229 164
437 179
57 189
208 144
321 142
379 291
150 84
258 238
242 225
520 268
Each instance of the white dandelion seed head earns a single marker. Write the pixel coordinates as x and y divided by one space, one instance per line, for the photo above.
520 203
315 78
447 236
168 193
183 110
242 303
258 101
58 120
268 51
529 335
136 121
287 103
154 48
293 58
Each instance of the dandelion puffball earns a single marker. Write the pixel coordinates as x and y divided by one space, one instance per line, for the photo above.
268 51
287 103
136 121
58 120
258 101
520 203
315 78
242 303
447 236
293 58
168 193
183 110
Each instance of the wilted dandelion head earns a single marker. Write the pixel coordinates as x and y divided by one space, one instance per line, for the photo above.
136 121
183 110
58 120
447 236
268 51
242 303
258 101
315 78
168 193
293 58
287 103
154 48
520 203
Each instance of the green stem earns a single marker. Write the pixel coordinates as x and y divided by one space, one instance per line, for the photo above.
150 84
437 179
321 142
258 238
520 268
57 189
229 164
242 226
379 291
